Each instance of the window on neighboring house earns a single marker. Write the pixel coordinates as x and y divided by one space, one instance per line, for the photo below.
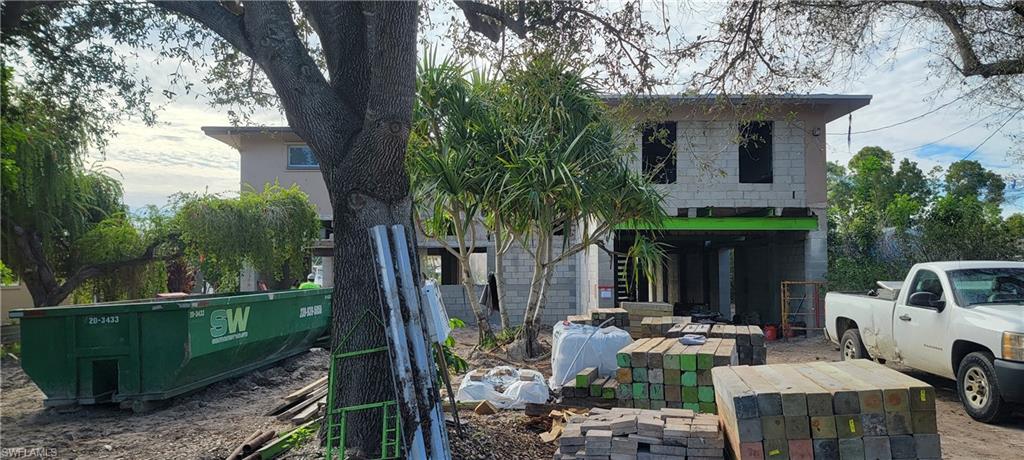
301 157
756 152
441 266
658 152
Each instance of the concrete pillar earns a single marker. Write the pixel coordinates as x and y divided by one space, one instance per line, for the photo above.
328 272
724 284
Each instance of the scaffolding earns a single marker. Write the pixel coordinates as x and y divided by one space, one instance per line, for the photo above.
803 306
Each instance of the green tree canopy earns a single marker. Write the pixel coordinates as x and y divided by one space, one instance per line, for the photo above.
968 178
270 230
63 223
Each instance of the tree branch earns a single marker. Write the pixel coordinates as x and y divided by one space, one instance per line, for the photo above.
91 271
972 65
341 28
214 16
490 21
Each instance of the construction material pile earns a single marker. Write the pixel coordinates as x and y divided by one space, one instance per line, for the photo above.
304 404
637 311
641 434
849 409
750 345
656 373
598 316
658 326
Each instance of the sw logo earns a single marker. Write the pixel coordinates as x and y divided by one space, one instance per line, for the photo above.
229 324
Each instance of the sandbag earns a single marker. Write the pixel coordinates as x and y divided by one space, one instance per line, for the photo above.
599 351
503 386
522 391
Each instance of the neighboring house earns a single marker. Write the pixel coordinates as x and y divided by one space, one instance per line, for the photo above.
743 216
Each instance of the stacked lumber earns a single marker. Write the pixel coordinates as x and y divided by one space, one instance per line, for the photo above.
658 326
849 409
680 330
589 390
658 372
641 434
619 317
750 346
597 316
637 311
304 404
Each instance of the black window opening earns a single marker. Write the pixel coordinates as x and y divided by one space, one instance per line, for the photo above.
659 152
756 152
444 268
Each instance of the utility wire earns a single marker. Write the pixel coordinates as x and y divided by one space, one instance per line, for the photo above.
965 128
904 121
1008 119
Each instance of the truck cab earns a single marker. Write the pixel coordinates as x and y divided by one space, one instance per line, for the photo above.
959 320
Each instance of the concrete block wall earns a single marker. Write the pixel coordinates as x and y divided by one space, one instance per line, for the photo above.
707 167
518 268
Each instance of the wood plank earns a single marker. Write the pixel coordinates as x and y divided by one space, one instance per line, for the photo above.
706 355
756 336
844 400
793 390
638 356
896 392
296 409
301 392
742 335
585 377
769 400
309 412
622 357
688 359
870 395
656 357
725 355
737 408
671 358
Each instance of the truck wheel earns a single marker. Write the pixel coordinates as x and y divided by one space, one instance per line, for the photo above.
978 389
851 346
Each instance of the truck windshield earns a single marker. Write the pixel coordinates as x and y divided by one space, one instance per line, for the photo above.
988 285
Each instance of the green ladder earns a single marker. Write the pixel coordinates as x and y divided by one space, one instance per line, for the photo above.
337 417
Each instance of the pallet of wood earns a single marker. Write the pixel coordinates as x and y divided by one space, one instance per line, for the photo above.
680 330
658 326
750 346
637 311
304 404
660 372
619 317
641 433
819 410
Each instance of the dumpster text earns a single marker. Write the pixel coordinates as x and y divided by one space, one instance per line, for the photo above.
229 324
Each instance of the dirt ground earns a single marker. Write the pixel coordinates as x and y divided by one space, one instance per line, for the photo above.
207 424
212 421
961 436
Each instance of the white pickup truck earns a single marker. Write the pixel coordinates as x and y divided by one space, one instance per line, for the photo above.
959 320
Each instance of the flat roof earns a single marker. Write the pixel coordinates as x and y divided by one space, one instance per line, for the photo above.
834 105
232 135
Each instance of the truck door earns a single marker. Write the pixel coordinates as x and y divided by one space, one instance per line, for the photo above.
919 326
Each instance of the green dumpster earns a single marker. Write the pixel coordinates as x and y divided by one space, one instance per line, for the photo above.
140 351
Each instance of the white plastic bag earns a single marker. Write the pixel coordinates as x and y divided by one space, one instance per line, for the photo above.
569 342
470 390
524 391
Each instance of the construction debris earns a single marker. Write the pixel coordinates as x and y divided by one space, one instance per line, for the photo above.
485 408
303 404
250 445
750 346
641 434
849 409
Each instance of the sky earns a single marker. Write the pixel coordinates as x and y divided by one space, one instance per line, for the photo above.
154 162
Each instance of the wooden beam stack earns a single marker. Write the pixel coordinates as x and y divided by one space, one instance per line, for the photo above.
622 433
637 311
658 326
689 329
304 404
619 317
658 372
849 409
750 346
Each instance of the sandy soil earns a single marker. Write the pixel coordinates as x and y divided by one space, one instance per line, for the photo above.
962 437
207 424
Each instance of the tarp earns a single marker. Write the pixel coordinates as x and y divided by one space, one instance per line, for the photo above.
588 346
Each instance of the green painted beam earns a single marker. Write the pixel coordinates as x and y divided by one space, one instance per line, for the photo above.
727 223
